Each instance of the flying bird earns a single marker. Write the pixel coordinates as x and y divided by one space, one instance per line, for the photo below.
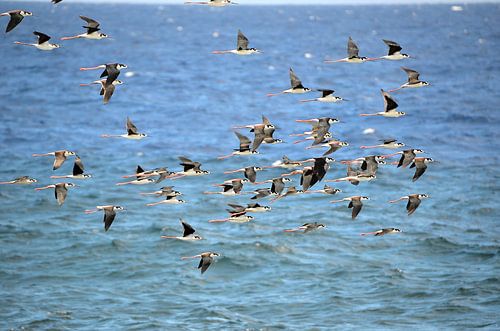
381 232
413 80
42 43
16 16
92 30
24 180
132 132
390 107
78 172
59 157
241 47
109 214
207 258
387 143
187 235
244 147
60 191
307 227
296 86
394 52
420 165
326 96
355 202
352 54
414 201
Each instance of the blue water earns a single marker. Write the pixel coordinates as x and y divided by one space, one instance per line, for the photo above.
59 270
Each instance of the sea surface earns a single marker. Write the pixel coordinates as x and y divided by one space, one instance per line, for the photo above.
59 269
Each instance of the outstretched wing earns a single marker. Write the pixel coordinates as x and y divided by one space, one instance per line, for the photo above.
242 43
352 49
294 80
131 128
188 229
42 37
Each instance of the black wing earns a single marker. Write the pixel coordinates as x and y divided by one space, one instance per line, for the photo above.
42 37
352 49
15 19
356 208
393 46
205 263
250 174
109 217
389 103
294 80
419 171
108 92
412 205
131 128
242 43
244 142
188 229
78 167
60 193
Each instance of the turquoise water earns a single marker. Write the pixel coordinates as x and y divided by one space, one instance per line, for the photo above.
59 270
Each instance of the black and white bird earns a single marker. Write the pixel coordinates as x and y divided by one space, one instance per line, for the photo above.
420 165
390 107
387 143
414 201
42 43
109 214
352 54
78 171
187 235
191 168
413 80
207 258
16 16
307 227
326 96
111 71
60 191
132 132
249 172
394 52
382 232
296 86
59 157
244 148
355 202
92 30
24 180
241 47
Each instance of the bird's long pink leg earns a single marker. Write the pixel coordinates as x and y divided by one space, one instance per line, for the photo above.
335 201
368 114
168 237
307 100
59 177
72 37
312 120
176 176
335 61
212 193
232 171
190 257
155 203
122 183
368 146
6 182
46 154
225 156
150 193
220 52
44 188
393 201
110 136
368 233
300 141
315 146
394 90
274 94
195 3
20 43
93 68
91 211
219 221
393 154
307 133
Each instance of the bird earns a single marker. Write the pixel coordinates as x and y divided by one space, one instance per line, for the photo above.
212 3
285 163
140 179
326 96
307 227
16 16
368 163
326 190
390 107
190 168
92 30
355 177
244 147
207 258
413 80
249 208
319 168
106 90
266 125
381 232
355 202
42 43
188 233
162 172
320 122
59 157
292 190
230 187
56 1
352 54
278 184
78 172
111 71
132 132
234 218
318 136
169 200
241 47
420 165
407 156
414 201
109 214
394 51
332 144
296 86
164 191
24 180
249 172
386 143
60 191
261 193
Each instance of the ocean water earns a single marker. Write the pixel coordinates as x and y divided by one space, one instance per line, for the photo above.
59 270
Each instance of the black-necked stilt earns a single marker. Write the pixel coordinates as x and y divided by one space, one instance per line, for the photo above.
414 201
59 157
207 258
413 80
394 51
109 214
132 132
390 107
296 86
381 232
355 202
326 96
78 172
24 180
42 43
244 148
16 16
387 143
92 30
187 235
307 227
60 191
420 165
241 47
352 54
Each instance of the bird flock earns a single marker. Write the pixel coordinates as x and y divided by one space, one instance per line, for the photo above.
310 172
